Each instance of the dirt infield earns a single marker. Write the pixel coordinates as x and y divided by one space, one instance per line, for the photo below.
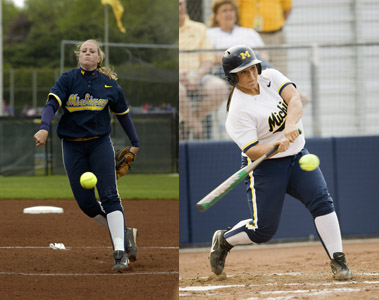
30 269
280 272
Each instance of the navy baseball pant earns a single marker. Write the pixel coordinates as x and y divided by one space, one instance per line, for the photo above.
96 156
266 187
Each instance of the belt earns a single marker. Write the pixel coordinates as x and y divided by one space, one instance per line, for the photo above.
82 139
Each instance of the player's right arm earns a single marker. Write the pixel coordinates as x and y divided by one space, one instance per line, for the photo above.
295 110
40 137
57 92
260 149
48 114
247 140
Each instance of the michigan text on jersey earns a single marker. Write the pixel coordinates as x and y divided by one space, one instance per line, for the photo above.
74 103
278 119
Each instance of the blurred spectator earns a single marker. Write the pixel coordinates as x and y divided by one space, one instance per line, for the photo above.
7 110
146 107
169 107
28 111
269 19
225 33
200 93
166 106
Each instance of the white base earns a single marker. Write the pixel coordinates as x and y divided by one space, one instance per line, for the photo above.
57 246
43 210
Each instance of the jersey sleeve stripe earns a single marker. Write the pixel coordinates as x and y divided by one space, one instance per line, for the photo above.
280 89
248 146
120 114
55 97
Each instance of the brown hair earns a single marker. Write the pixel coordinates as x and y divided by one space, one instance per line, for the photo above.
230 98
216 5
105 70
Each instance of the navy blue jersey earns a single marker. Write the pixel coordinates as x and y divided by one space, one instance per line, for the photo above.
86 99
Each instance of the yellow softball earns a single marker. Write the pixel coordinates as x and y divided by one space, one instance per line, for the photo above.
88 180
309 162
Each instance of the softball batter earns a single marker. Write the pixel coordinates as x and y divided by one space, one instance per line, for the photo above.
264 111
86 95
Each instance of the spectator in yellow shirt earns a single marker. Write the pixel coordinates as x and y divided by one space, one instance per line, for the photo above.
200 93
268 17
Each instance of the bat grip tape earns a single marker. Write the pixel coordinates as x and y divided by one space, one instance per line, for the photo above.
272 151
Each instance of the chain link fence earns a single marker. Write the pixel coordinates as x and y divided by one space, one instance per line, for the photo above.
331 53
19 155
148 75
341 82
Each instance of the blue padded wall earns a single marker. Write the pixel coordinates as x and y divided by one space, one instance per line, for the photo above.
210 164
350 167
357 163
184 225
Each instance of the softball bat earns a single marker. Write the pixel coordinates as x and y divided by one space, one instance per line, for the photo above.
231 182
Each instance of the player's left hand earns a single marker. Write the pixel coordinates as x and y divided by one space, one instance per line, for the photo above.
124 160
134 149
283 144
291 132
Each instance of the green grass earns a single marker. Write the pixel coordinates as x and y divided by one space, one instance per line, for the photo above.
136 186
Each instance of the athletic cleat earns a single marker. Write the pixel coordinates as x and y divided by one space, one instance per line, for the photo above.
131 243
339 267
120 260
219 251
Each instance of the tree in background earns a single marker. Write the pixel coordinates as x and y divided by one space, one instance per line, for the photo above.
33 35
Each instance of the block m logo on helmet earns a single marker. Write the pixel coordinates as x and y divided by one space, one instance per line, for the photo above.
236 59
244 55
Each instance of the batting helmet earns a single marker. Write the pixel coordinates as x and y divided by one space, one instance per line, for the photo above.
238 58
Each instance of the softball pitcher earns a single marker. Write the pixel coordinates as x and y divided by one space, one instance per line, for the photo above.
264 110
86 95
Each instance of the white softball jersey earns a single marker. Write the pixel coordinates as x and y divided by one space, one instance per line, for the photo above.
261 118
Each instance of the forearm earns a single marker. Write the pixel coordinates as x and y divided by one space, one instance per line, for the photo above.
48 114
205 68
294 106
258 150
128 126
295 110
185 109
209 105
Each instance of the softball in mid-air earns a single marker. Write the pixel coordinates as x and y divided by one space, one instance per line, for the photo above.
309 162
88 180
